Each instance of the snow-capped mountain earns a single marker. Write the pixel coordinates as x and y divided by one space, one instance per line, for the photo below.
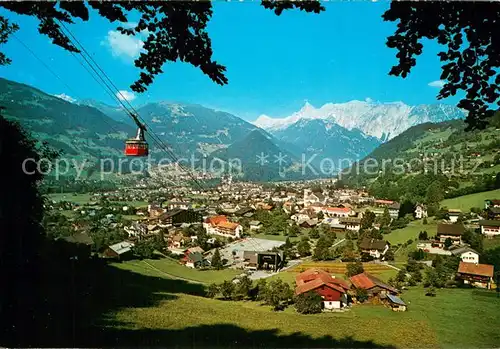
381 120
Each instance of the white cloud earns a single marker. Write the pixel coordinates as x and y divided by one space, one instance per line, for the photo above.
368 100
125 95
437 83
66 97
122 45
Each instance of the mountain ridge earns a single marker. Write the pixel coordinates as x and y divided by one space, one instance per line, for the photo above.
381 120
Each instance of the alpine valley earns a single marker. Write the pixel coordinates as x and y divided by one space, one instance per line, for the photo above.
91 130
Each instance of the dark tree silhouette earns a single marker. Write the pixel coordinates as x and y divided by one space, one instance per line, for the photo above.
21 211
176 30
470 33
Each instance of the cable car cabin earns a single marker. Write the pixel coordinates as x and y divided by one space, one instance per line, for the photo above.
134 147
137 146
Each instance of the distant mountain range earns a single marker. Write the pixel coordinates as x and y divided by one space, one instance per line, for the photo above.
381 120
90 129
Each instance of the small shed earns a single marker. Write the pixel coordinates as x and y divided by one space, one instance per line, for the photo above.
396 303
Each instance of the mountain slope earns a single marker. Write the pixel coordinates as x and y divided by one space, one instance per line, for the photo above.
326 141
79 131
261 159
381 120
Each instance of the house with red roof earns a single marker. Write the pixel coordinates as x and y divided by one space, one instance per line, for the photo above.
373 286
332 290
479 275
220 225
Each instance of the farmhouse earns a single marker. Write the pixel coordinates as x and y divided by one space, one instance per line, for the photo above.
394 210
453 215
373 247
479 275
121 250
332 290
351 223
374 286
193 260
452 231
466 254
490 228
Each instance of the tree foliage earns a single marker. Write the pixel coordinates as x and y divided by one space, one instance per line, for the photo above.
471 55
174 31
308 303
354 269
216 261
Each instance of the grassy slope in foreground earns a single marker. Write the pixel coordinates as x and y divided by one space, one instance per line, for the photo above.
455 318
466 202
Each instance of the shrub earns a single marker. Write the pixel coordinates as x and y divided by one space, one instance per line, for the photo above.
308 303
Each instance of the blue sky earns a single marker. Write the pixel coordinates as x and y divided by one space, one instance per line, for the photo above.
274 64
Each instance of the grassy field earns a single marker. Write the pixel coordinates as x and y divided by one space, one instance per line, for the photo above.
491 243
466 202
167 267
382 274
455 318
79 199
83 199
411 231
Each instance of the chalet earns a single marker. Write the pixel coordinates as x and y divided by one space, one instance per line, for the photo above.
394 209
179 216
479 275
219 225
308 223
313 198
351 223
420 211
373 247
396 303
332 290
374 286
255 225
453 215
452 231
121 250
136 229
177 240
466 254
490 228
193 260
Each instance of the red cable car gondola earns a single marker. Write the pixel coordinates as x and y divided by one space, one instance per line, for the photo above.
137 146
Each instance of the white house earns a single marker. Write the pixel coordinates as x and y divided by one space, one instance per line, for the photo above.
420 211
453 215
373 247
466 254
490 228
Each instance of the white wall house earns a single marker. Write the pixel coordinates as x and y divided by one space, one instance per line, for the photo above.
490 228
420 212
470 257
